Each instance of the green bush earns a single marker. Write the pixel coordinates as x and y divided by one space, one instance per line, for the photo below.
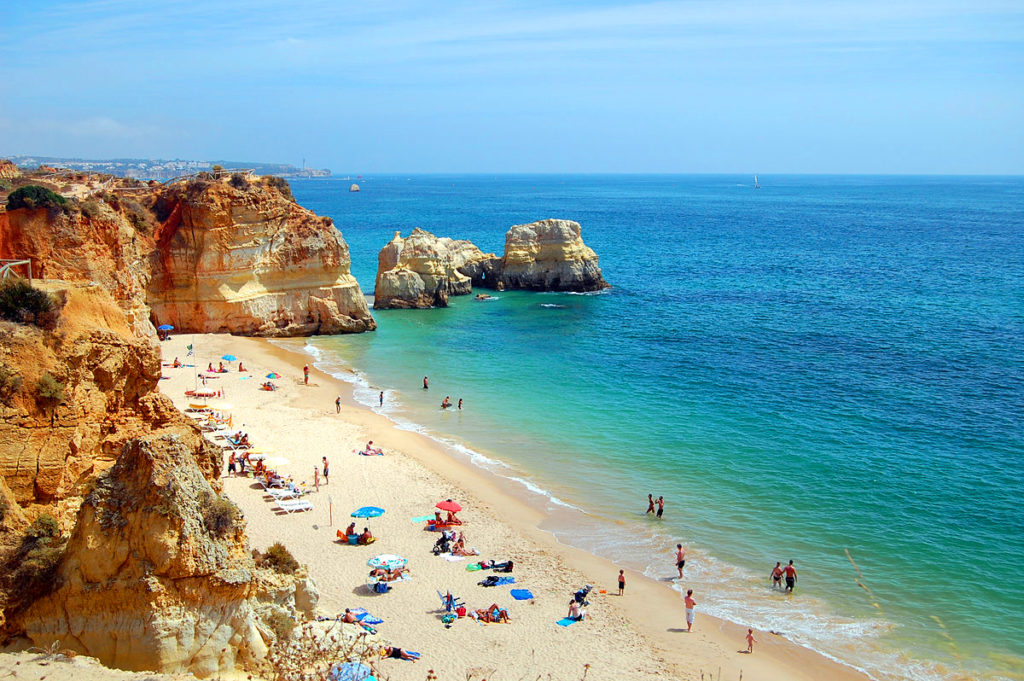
238 181
10 383
280 184
219 514
91 208
137 214
49 388
22 303
43 527
280 559
34 196
5 184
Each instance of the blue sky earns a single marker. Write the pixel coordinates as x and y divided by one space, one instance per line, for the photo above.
378 86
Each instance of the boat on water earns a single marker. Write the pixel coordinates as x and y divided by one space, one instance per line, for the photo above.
756 185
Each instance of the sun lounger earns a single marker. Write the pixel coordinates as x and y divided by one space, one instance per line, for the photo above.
282 494
293 505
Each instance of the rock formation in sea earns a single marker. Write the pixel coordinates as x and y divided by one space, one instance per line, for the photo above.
423 270
233 254
549 255
132 555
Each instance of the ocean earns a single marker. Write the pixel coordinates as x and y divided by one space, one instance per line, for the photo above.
825 369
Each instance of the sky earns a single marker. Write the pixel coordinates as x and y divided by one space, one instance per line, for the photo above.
720 86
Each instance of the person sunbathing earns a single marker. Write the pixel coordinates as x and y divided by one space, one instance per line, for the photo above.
244 442
574 611
351 530
380 574
493 614
365 537
349 617
241 368
176 364
397 653
210 368
370 450
452 520
459 549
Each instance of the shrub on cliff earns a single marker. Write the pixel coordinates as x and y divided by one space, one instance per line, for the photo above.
24 304
279 623
280 559
34 196
10 382
239 182
50 392
219 514
280 184
33 567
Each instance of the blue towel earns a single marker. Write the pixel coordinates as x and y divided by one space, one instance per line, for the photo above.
505 580
566 621
365 617
412 654
521 594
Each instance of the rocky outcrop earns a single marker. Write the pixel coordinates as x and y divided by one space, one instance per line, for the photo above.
8 171
232 255
423 270
549 256
48 451
150 580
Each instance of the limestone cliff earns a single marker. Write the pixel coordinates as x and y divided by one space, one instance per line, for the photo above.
208 255
156 574
8 171
549 256
241 258
109 377
423 270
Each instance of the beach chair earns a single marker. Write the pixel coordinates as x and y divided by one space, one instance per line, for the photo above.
292 505
282 494
449 602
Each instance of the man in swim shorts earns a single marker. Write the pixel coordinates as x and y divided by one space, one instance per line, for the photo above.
790 577
680 558
661 506
690 605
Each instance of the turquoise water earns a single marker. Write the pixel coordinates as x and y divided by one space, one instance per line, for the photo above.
825 364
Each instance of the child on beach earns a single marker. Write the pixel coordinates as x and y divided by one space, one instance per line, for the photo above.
316 478
690 605
622 581
750 641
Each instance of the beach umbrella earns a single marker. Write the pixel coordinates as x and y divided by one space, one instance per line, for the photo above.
351 671
229 358
387 560
165 327
368 512
449 505
273 374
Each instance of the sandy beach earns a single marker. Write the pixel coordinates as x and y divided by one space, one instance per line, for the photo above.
638 636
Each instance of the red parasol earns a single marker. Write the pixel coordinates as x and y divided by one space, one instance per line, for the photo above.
449 505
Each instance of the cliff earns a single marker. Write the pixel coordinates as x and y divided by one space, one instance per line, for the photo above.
8 171
549 256
423 270
233 254
241 258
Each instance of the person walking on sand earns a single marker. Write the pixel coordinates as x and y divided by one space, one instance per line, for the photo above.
790 571
661 506
305 374
650 503
426 385
777 575
327 472
316 478
690 605
750 641
382 398
337 404
622 581
680 559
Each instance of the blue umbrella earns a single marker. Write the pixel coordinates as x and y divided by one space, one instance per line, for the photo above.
351 671
165 327
229 358
368 512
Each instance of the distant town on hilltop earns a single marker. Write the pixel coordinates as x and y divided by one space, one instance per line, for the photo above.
160 169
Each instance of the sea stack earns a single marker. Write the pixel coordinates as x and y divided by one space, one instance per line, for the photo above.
422 270
549 255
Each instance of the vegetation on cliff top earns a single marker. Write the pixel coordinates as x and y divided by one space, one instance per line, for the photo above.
34 196
30 571
22 303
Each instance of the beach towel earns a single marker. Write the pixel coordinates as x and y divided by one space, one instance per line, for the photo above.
365 617
521 594
566 621
451 559
421 518
495 580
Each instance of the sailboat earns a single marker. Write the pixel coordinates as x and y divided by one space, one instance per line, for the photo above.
756 185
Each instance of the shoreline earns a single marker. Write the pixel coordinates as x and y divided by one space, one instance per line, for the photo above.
651 609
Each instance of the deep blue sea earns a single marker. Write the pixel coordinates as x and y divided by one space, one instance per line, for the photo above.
825 369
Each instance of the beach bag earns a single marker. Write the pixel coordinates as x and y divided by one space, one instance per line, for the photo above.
461 611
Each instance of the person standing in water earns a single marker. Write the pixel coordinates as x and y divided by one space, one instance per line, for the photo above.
447 402
650 503
777 575
460 404
790 571
680 558
661 506
426 385
382 398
